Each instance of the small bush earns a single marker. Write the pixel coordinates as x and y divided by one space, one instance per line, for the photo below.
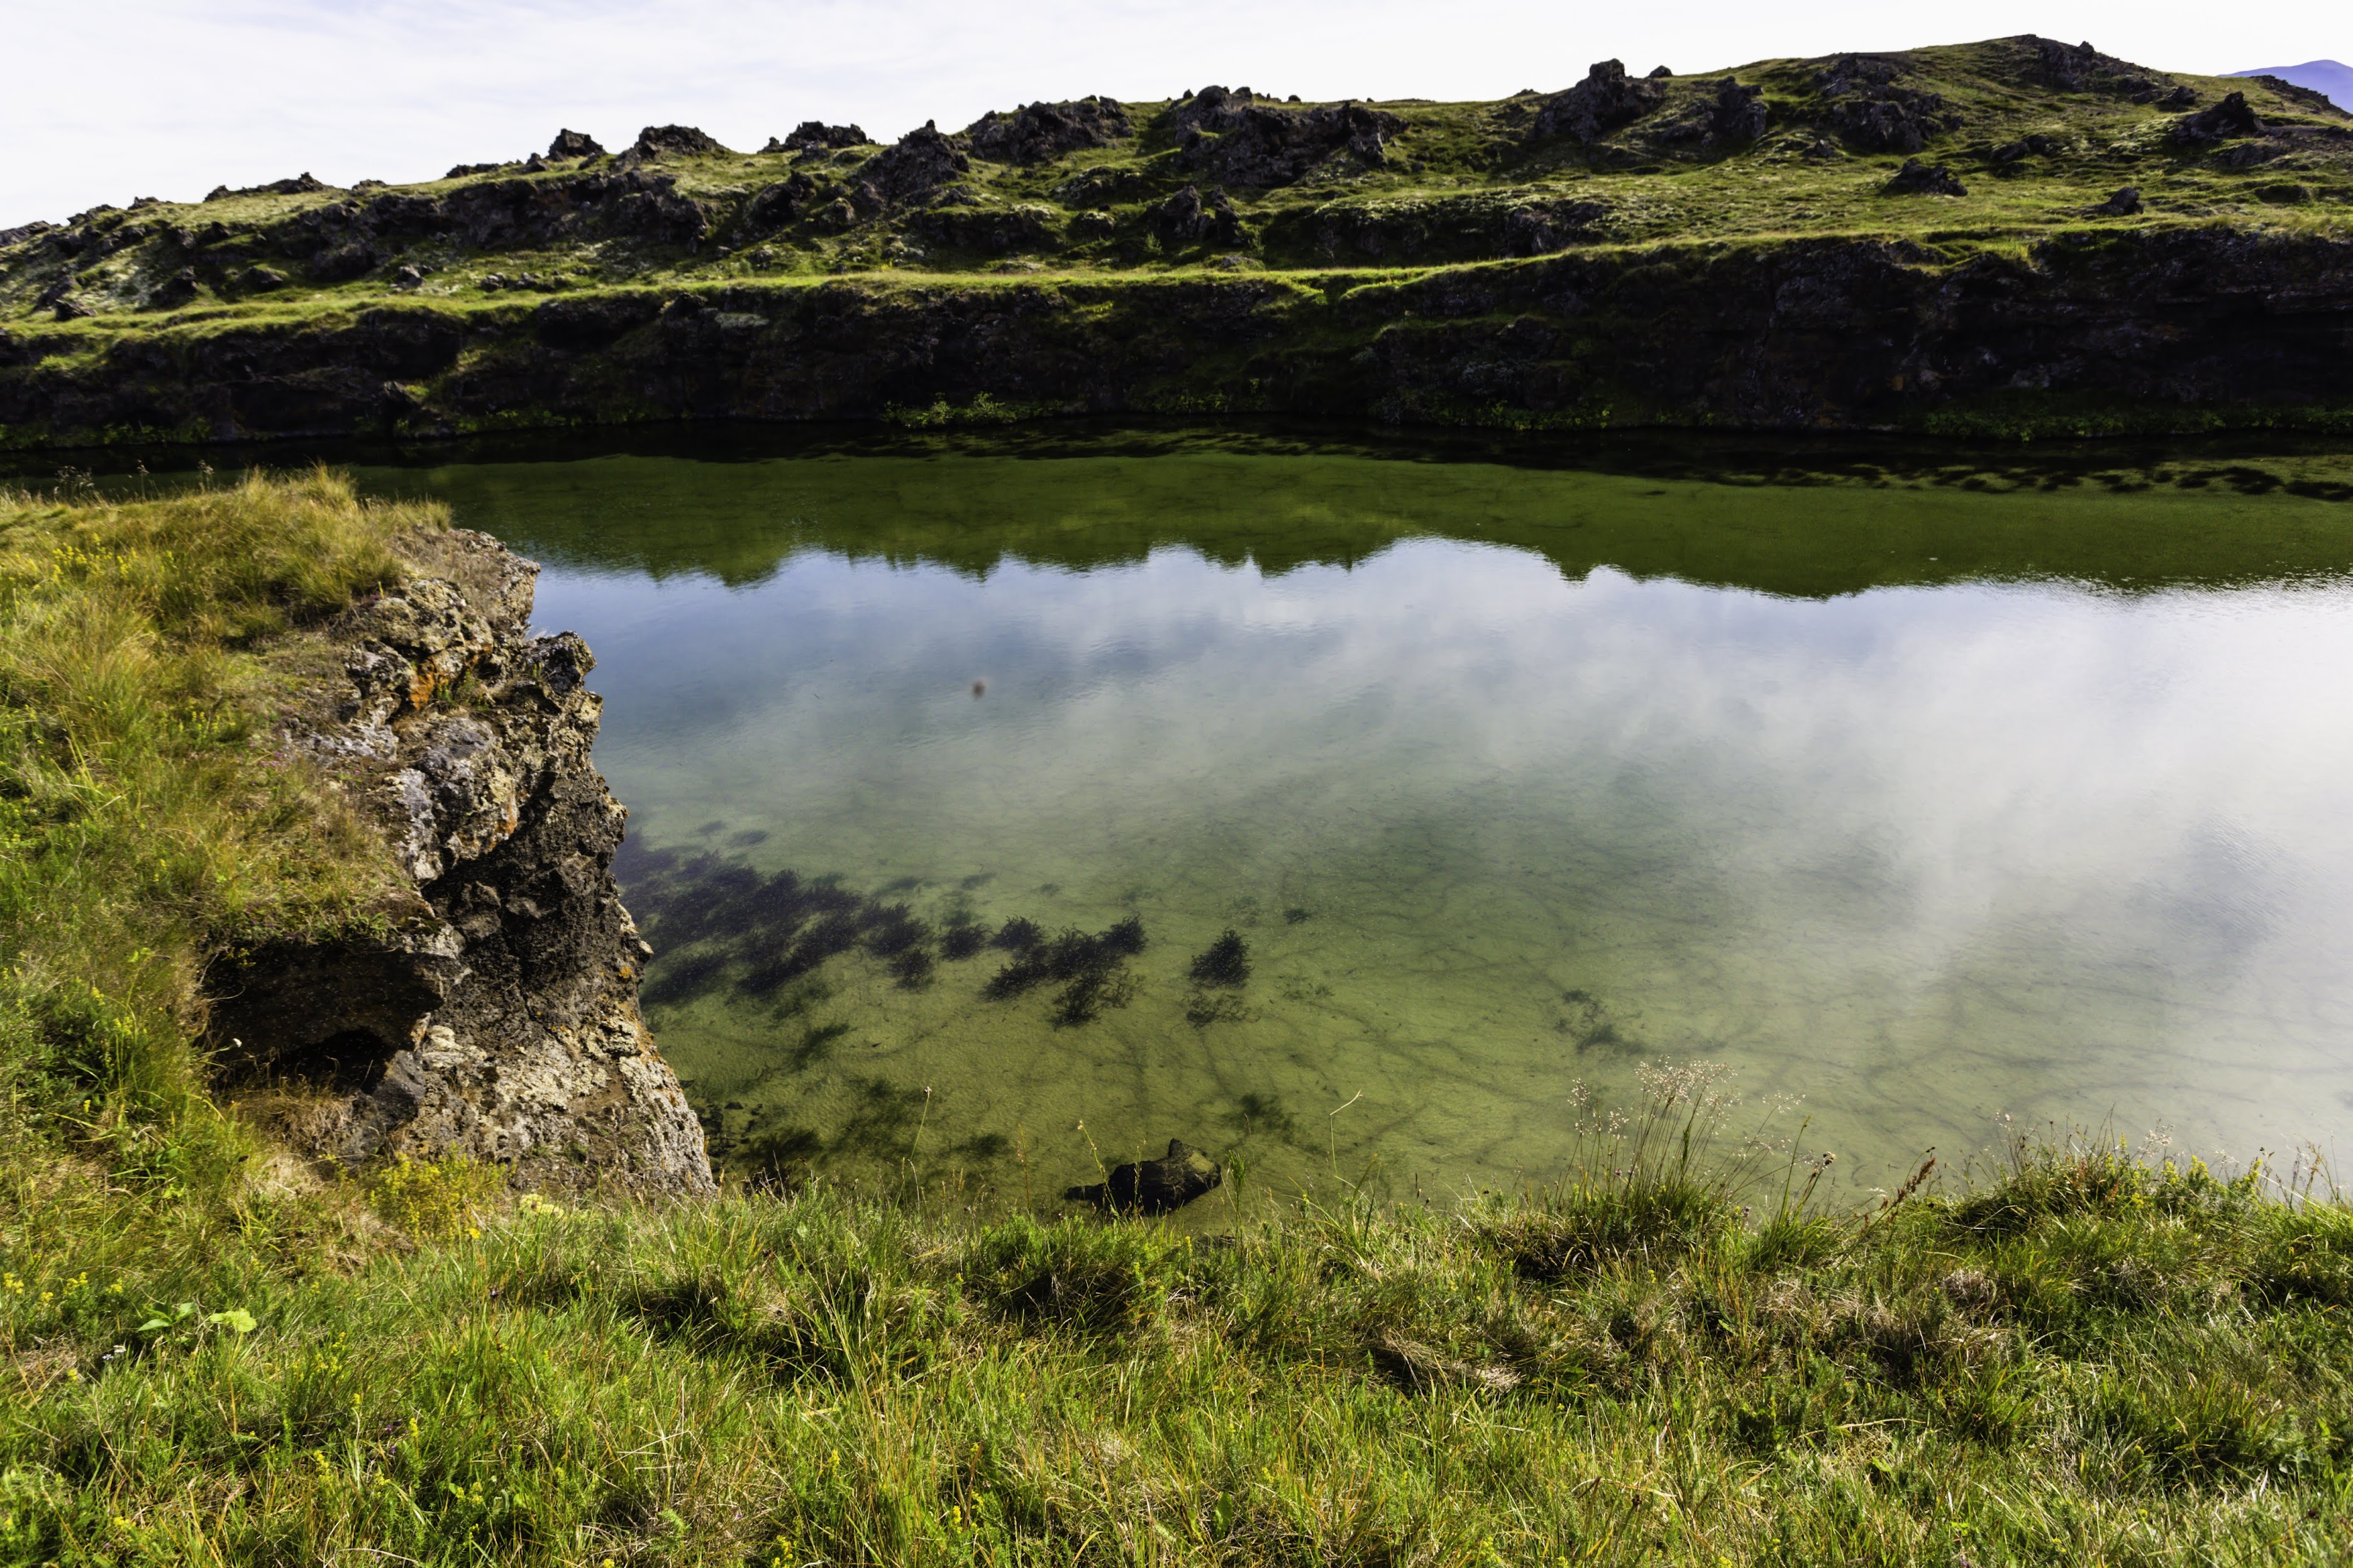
435 1200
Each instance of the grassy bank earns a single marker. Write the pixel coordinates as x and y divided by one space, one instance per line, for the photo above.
211 1353
2082 1360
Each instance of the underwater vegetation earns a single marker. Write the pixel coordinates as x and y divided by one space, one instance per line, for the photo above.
1225 962
1590 1028
719 924
1224 966
716 924
1091 969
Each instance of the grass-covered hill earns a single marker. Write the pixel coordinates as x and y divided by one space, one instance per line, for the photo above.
2012 138
2013 237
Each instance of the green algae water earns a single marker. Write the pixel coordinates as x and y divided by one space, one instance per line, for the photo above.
996 815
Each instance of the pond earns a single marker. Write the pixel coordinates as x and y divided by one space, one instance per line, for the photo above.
998 810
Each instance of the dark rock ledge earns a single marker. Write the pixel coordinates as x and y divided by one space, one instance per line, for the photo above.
498 1017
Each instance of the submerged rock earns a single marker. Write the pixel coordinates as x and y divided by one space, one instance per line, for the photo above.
1154 1186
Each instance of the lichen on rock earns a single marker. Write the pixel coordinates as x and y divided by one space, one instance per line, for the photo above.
497 1016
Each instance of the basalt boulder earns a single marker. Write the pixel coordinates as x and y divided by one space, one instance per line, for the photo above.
2232 117
1918 179
1154 1186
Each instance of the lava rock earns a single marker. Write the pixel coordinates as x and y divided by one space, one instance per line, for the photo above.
2124 204
674 141
175 292
497 1016
1238 141
919 164
2035 146
1918 179
1038 132
342 263
301 184
1872 109
1733 117
811 133
2232 117
570 144
1186 218
1154 1186
1606 99
2080 68
993 229
777 205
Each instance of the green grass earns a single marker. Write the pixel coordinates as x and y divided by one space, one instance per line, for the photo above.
210 1354
1440 195
2085 1358
149 815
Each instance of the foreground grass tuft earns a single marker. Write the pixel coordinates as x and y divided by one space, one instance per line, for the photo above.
2158 1372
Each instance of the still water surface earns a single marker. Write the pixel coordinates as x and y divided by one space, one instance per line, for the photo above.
1924 803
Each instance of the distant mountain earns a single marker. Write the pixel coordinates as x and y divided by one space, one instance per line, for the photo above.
2325 76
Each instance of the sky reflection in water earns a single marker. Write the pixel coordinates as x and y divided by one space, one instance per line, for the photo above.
1919 854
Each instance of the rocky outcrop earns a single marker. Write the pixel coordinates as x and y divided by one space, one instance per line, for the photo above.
1606 99
673 142
815 133
2232 117
1870 107
1918 179
915 166
1236 139
1186 218
2133 328
497 1016
1038 132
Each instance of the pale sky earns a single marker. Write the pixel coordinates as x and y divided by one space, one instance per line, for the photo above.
168 98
